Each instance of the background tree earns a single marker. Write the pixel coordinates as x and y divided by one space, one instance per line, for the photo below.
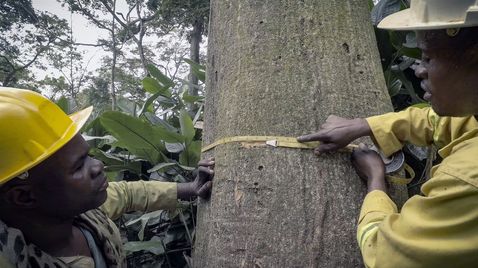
26 35
280 68
191 16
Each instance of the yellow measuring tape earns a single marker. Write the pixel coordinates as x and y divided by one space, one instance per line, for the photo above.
274 141
291 142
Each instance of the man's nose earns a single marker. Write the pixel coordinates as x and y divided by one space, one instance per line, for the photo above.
97 167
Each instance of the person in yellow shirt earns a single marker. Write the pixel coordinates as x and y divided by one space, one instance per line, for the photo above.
440 227
56 205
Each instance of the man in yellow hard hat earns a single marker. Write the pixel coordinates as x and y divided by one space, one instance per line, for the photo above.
56 205
440 227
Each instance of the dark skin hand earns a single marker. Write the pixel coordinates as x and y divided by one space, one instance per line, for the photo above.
202 185
370 168
337 132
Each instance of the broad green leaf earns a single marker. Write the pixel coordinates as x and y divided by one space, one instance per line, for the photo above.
180 179
187 127
191 99
409 87
174 147
159 122
187 168
152 246
190 156
160 77
198 70
126 105
160 167
146 219
150 101
411 52
167 135
137 136
107 138
152 86
394 87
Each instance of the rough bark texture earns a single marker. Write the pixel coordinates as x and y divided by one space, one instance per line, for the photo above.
280 68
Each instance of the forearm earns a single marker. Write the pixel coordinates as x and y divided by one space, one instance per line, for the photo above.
186 191
389 131
139 196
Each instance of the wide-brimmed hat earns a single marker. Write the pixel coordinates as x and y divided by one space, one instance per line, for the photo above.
433 14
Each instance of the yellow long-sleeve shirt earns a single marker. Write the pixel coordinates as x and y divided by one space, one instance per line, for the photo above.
440 228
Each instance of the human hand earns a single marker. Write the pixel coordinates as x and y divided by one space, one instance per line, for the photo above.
337 132
370 167
202 184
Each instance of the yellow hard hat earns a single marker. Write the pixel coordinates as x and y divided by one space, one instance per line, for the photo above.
433 14
32 129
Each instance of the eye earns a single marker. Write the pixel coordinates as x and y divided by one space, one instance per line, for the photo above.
80 165
82 162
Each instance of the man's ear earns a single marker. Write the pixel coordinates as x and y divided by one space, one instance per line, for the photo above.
21 196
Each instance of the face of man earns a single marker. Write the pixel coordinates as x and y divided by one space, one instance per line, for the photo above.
449 78
69 182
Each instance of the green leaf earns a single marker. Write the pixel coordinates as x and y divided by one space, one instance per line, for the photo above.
149 101
190 156
152 246
135 135
187 127
198 70
159 122
411 52
126 105
160 167
174 147
191 99
160 77
187 168
167 135
152 86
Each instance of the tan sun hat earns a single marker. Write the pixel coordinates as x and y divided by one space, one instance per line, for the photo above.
433 14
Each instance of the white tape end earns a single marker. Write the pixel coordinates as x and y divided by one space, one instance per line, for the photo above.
272 143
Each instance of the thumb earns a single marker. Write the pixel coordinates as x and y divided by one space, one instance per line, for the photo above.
205 190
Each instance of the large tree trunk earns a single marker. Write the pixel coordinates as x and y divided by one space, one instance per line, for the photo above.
280 68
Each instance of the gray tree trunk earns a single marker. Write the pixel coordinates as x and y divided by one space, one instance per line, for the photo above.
280 68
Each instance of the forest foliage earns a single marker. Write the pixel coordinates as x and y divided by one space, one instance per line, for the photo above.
149 96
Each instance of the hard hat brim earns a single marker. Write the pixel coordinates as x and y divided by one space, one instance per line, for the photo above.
79 119
405 20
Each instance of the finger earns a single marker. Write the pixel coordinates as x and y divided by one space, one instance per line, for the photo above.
327 147
205 173
206 163
318 136
205 190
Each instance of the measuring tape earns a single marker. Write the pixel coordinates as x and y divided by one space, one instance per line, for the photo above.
393 164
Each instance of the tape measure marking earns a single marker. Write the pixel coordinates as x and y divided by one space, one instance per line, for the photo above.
291 142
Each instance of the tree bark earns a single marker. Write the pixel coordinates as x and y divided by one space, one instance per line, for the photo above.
280 68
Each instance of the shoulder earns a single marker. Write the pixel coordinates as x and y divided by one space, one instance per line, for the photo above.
462 162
